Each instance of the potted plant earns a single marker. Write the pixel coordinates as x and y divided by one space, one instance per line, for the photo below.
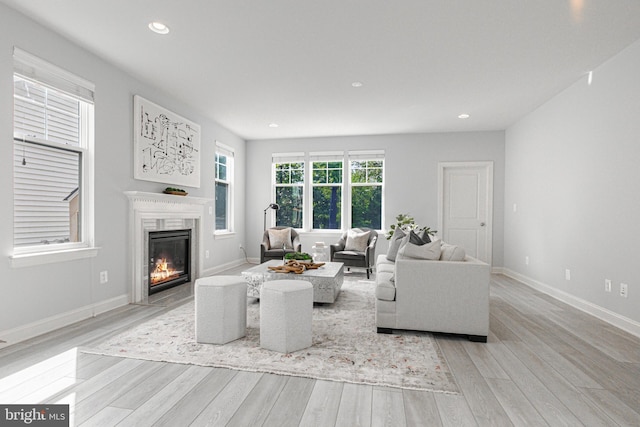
406 222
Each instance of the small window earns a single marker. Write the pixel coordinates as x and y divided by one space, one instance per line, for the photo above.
223 187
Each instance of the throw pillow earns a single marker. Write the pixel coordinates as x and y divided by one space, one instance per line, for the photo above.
425 236
418 239
429 251
279 239
357 240
452 253
394 246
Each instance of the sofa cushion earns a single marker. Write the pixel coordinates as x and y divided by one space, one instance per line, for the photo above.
428 251
452 253
279 239
357 240
394 246
385 288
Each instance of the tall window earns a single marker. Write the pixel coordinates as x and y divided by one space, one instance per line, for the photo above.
367 179
327 194
224 178
53 136
289 192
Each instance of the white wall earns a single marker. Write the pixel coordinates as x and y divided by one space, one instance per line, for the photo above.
411 163
35 298
572 169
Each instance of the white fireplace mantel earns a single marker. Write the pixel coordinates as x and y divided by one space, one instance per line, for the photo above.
146 206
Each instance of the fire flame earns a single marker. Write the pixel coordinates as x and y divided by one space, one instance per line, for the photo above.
163 272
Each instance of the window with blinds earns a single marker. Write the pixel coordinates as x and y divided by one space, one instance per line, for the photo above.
51 138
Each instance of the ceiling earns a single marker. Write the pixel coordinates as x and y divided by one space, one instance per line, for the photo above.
249 63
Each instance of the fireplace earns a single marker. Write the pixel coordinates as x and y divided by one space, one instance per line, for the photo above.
169 259
155 212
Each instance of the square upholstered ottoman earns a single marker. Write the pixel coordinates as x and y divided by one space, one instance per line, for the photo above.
286 309
221 309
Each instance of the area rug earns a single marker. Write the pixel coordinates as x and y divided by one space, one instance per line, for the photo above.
345 346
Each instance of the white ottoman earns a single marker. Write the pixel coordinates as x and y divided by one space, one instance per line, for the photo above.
221 309
286 308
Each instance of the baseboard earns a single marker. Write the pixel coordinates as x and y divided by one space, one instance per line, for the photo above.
31 330
497 270
222 267
615 319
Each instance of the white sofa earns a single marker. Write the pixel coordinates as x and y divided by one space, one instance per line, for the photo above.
435 296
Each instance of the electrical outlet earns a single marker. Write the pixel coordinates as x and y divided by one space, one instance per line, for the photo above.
526 260
623 290
210 210
567 274
206 254
607 285
104 277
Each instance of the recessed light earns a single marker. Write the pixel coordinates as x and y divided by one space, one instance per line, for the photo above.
273 125
357 84
158 27
463 116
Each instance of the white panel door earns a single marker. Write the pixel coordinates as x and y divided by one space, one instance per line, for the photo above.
466 193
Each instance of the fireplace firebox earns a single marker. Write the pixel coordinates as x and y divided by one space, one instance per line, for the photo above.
169 259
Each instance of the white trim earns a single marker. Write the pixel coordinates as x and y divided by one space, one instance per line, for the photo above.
615 319
34 67
224 149
39 258
489 221
223 234
25 332
222 267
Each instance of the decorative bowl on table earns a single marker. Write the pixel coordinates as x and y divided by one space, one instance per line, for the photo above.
301 257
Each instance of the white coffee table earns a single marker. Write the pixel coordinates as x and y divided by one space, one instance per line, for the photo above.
326 280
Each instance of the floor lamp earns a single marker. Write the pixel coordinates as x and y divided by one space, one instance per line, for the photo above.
273 206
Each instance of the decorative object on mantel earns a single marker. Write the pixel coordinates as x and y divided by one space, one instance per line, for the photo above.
345 346
175 191
406 223
297 267
166 145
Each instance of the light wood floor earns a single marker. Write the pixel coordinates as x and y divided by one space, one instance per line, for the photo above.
545 364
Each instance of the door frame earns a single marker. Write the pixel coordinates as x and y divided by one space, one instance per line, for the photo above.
488 167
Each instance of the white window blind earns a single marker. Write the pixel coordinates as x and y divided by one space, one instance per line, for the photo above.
53 111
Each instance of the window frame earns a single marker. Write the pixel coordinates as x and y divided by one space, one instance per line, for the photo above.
327 158
347 185
40 72
364 157
289 158
228 153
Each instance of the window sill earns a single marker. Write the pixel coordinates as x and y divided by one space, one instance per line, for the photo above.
220 235
39 258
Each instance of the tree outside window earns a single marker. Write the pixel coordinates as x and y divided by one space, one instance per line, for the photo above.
327 194
289 189
367 178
